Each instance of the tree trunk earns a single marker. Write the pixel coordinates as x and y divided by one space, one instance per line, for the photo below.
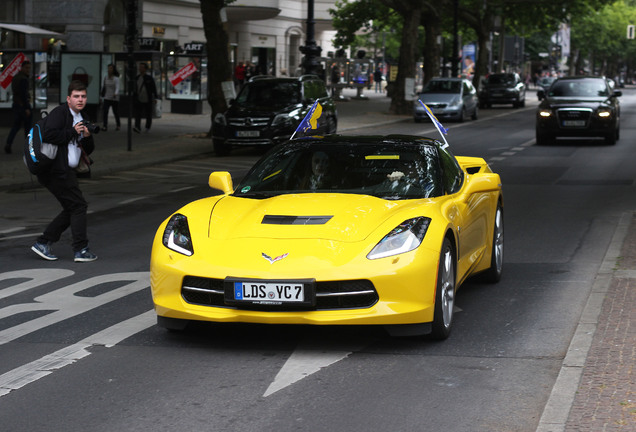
411 12
431 48
218 59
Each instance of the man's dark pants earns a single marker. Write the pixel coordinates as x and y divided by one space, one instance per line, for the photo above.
143 110
20 119
73 214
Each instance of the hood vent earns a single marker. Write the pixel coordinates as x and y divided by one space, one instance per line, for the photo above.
295 220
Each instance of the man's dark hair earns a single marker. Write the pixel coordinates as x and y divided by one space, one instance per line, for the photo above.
76 85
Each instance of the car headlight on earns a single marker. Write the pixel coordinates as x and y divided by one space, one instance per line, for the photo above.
403 238
604 113
545 113
282 120
177 237
220 119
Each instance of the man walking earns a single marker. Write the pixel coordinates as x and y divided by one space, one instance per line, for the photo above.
146 95
22 111
64 127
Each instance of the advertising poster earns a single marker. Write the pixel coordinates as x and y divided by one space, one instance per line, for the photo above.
468 60
84 67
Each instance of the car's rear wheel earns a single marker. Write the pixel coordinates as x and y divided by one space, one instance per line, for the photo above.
332 126
493 274
221 148
444 293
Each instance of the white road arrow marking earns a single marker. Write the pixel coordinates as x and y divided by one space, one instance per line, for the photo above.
307 359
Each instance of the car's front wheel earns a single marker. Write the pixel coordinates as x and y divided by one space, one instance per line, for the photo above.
220 147
611 138
444 293
475 114
544 139
493 274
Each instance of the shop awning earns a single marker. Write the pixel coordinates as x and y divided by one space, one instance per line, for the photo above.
31 30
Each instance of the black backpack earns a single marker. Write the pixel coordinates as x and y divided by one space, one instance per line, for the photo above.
38 156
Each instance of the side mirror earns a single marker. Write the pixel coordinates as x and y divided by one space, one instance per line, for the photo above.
617 93
221 180
481 183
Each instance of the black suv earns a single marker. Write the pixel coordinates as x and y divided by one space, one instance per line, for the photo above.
503 88
268 110
579 106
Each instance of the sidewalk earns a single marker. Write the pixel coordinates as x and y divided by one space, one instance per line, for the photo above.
177 136
595 390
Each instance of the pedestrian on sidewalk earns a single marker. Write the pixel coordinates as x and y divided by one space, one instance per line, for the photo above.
110 93
146 93
65 127
22 110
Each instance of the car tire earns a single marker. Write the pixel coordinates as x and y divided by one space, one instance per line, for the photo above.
221 148
444 293
332 126
610 139
462 115
544 139
172 324
474 116
493 274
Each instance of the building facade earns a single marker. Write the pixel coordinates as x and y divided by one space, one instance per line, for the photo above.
265 33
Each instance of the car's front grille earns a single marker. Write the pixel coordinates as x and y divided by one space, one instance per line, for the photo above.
348 294
248 121
436 105
574 117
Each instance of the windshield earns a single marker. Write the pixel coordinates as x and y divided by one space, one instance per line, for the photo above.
386 170
579 88
439 86
506 79
259 93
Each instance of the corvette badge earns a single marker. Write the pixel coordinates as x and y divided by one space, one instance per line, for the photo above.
273 260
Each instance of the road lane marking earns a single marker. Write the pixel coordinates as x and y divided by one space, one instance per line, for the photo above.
64 303
36 278
109 337
309 358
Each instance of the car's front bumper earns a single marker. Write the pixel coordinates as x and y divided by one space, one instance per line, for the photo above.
404 284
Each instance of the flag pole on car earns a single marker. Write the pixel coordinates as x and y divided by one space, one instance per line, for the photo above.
441 129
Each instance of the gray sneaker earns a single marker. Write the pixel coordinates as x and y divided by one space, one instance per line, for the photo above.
85 255
44 251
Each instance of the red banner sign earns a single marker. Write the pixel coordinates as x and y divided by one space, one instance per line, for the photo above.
12 70
183 73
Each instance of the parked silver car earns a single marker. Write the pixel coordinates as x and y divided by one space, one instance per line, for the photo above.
449 99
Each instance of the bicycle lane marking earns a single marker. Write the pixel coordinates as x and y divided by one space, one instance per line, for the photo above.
109 337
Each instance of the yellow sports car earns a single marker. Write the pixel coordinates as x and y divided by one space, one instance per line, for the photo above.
377 230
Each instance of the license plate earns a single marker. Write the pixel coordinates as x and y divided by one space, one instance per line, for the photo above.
268 292
573 122
248 134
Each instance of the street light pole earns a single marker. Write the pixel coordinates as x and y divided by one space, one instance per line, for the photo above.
311 50
131 36
454 69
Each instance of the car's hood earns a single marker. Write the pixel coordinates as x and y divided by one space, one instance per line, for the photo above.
338 217
263 110
570 102
433 98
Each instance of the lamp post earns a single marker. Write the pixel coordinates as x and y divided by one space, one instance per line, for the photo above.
311 51
454 68
131 36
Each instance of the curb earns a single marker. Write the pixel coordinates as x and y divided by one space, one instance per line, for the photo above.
557 409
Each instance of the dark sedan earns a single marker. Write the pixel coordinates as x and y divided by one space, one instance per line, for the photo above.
503 88
584 107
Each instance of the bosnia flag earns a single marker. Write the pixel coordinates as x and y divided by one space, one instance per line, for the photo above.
310 122
442 130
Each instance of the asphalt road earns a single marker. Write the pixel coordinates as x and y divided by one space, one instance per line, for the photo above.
79 349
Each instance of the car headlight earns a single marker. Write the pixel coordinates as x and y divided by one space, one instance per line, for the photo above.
604 113
403 238
455 102
282 120
220 119
177 237
545 113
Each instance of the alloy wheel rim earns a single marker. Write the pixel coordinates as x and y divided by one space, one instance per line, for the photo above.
448 288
